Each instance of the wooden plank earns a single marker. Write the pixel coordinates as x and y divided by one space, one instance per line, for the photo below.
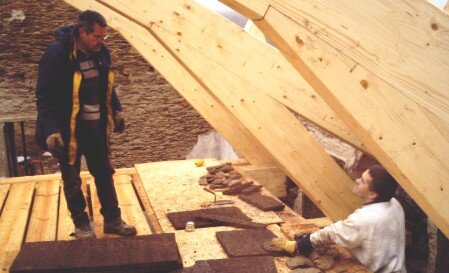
96 215
192 90
268 121
238 51
13 222
394 127
44 215
4 189
48 177
154 223
172 186
65 222
129 204
132 212
269 176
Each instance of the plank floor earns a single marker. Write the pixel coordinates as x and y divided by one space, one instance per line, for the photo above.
33 208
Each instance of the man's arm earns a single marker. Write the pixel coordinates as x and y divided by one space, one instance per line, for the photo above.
348 233
45 91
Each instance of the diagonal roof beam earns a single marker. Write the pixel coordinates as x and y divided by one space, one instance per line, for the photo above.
194 93
396 128
178 26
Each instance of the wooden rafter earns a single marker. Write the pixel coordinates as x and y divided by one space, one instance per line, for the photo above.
396 127
272 74
174 24
208 107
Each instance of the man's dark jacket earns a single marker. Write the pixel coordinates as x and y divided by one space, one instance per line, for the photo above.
55 86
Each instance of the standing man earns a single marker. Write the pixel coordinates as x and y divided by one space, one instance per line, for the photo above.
76 105
374 233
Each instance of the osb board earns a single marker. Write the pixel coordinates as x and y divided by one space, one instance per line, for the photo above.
172 186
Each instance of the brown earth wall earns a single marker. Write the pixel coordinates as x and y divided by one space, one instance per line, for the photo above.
161 125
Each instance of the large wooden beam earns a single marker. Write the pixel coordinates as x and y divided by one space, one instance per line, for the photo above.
272 74
194 93
412 56
178 25
395 127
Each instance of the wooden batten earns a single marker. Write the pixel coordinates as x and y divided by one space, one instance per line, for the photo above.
396 129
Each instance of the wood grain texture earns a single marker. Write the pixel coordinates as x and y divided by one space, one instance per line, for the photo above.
193 91
13 222
267 120
394 127
44 215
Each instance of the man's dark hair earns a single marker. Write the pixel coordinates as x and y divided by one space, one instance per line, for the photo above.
87 19
383 183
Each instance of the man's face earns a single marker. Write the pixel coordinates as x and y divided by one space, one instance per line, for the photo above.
92 42
362 188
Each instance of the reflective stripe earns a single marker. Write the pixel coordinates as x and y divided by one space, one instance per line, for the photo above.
90 116
92 73
91 108
87 65
77 77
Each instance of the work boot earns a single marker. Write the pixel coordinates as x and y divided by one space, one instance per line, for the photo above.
84 231
119 227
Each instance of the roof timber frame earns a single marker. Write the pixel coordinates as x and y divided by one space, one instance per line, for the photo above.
178 27
368 93
271 73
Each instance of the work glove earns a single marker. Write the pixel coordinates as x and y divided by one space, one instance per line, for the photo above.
119 122
55 144
280 245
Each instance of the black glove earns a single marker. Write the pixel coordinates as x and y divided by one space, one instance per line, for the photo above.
119 122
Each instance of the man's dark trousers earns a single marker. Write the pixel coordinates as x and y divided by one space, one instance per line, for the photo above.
91 144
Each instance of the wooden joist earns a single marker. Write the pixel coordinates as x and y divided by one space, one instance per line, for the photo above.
395 128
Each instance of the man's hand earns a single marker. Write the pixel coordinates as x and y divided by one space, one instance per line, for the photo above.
55 144
280 245
119 122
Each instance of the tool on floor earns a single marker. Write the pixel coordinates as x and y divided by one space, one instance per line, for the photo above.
218 202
